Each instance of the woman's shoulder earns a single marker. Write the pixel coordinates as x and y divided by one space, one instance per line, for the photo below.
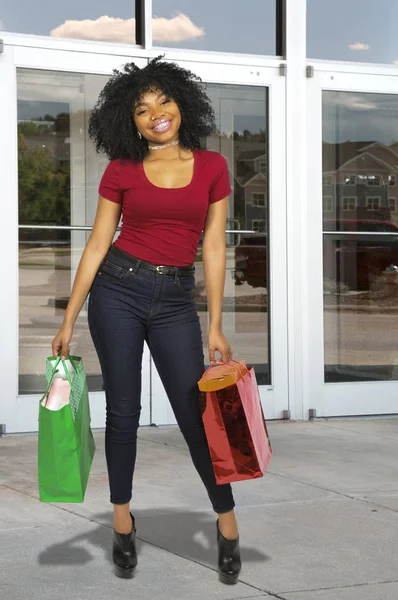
121 167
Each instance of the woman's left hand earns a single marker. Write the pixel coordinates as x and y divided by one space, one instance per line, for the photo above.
219 343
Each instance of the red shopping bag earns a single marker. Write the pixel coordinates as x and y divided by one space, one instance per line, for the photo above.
234 422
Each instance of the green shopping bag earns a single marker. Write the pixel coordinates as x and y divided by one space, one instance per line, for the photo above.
66 444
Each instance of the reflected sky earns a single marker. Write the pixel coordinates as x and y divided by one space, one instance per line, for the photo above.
353 30
357 30
187 24
357 116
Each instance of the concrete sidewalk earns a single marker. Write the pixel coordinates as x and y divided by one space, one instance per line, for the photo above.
321 525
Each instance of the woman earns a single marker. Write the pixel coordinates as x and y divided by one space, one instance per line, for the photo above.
150 123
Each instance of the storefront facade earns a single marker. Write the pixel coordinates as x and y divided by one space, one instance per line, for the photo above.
311 293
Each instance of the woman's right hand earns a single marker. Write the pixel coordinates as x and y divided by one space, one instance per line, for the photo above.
61 342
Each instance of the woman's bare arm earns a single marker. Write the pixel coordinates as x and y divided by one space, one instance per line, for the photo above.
104 228
214 263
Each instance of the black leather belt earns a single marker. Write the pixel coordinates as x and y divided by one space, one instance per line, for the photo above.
142 264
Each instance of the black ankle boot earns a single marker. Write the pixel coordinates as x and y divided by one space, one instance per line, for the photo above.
124 553
229 563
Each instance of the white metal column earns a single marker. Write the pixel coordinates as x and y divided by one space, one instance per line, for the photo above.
9 297
297 213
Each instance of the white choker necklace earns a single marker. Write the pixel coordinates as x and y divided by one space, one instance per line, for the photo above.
164 146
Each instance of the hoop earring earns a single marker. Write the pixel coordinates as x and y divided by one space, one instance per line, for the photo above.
139 135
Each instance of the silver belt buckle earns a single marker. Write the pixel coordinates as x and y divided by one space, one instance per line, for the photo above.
158 269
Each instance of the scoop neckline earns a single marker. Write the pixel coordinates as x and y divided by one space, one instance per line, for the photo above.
173 189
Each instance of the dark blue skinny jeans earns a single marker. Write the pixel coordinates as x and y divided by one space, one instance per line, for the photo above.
130 304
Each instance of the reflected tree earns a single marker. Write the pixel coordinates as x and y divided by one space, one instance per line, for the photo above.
44 185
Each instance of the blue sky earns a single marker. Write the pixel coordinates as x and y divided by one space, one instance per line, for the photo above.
355 30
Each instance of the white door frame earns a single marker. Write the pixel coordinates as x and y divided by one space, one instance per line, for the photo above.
336 399
274 397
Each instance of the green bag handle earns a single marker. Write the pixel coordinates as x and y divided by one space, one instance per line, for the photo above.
72 362
55 369
52 377
67 371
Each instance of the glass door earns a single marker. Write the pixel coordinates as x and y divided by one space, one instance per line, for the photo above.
353 242
250 135
50 172
50 175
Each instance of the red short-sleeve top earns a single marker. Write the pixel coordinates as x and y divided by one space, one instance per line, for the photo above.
160 225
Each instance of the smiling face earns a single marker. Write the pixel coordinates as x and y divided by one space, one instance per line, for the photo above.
157 117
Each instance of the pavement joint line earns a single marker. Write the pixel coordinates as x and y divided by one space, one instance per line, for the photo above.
287 502
250 597
312 485
263 591
373 503
339 587
361 433
337 493
325 489
267 592
185 450
21 528
70 512
247 597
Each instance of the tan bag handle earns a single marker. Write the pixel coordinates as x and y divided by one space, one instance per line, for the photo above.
226 376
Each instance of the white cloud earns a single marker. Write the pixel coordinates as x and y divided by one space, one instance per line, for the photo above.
395 62
359 46
111 29
104 29
176 29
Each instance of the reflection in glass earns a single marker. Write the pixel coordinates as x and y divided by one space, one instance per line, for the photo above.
242 137
76 20
58 174
45 269
360 247
228 26
353 31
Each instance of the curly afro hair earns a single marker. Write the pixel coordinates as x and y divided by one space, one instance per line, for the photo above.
112 126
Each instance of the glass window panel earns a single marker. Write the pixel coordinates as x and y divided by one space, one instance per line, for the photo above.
242 137
47 259
227 26
87 20
358 30
58 181
360 245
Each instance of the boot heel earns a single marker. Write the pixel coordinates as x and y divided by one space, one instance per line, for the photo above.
124 553
229 561
124 573
228 579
